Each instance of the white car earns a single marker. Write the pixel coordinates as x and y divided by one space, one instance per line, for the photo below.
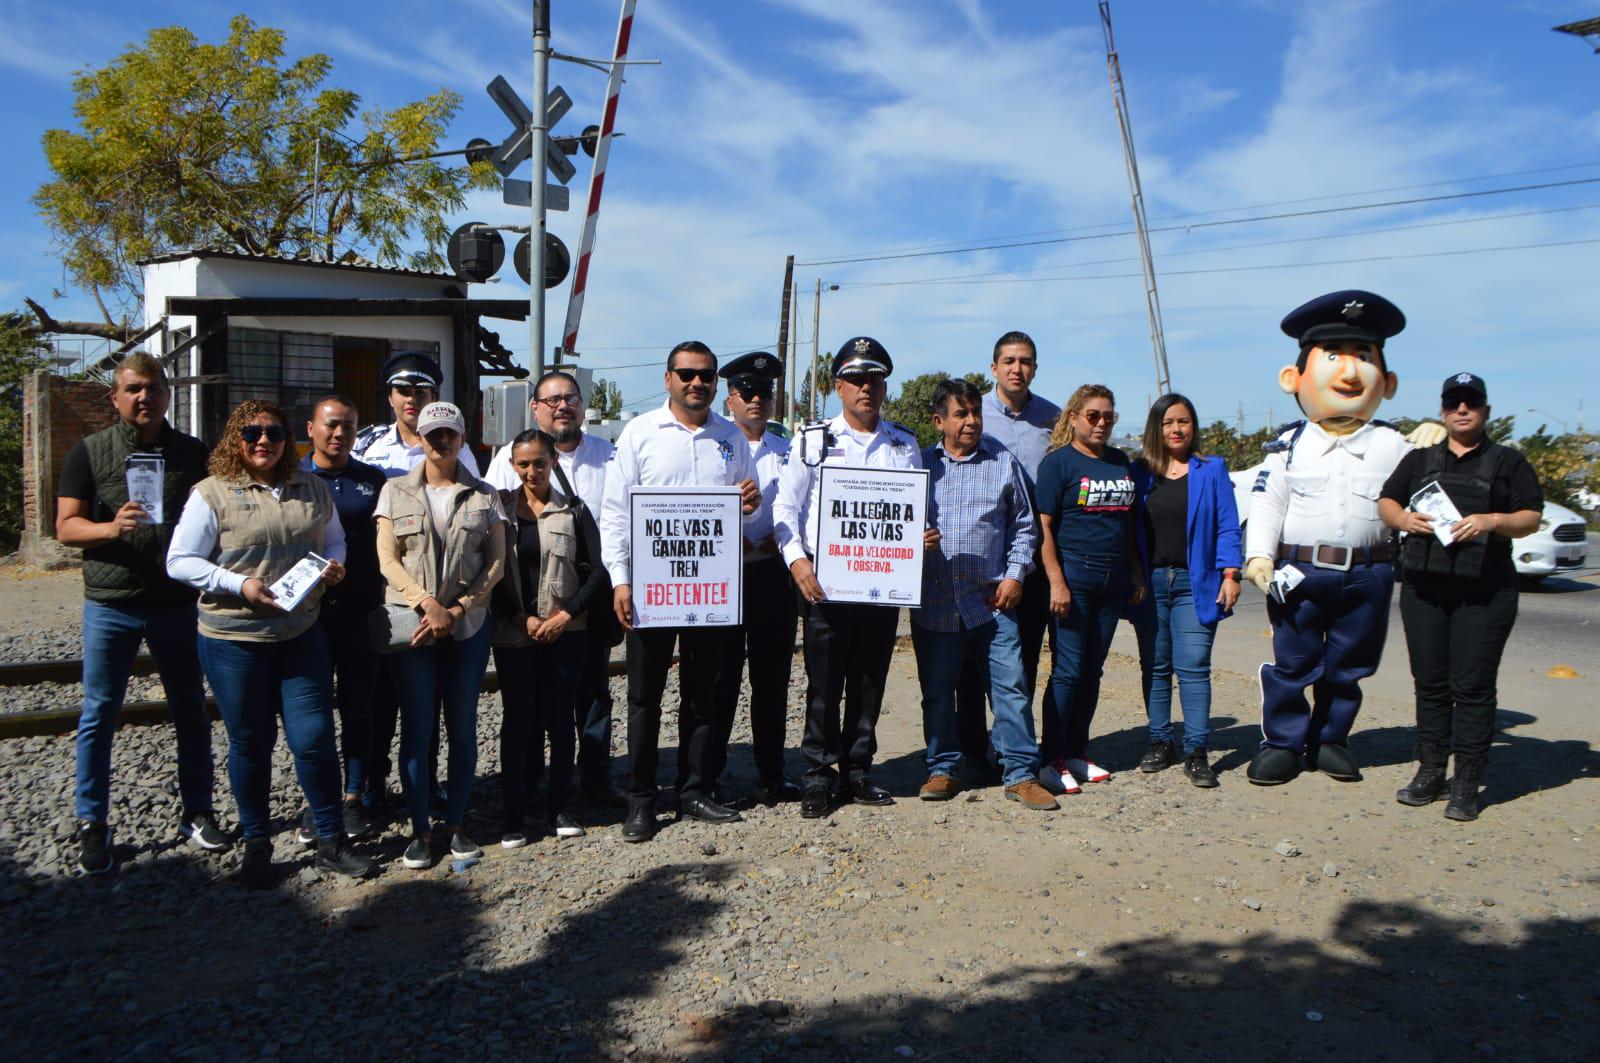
1560 544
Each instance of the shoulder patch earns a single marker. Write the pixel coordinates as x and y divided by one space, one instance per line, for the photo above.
1261 481
1285 437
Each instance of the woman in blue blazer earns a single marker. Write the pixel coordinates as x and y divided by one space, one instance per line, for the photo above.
1189 545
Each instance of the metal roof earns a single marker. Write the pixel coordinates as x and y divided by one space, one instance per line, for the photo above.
346 262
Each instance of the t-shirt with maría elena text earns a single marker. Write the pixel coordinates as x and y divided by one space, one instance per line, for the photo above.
1092 500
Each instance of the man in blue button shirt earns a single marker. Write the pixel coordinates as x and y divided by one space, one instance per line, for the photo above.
355 486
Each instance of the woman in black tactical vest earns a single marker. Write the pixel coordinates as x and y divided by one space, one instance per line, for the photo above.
1459 600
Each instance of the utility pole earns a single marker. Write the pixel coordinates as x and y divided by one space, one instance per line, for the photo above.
793 355
1152 301
539 126
782 405
1240 421
816 347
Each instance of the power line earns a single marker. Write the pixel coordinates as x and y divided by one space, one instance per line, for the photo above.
1215 224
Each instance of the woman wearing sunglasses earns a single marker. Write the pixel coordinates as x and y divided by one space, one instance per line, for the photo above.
243 528
1088 506
441 555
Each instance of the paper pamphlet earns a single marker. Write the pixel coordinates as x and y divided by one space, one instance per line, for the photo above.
1284 581
146 473
293 586
1433 501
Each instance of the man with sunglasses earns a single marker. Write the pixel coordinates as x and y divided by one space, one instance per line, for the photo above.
414 381
557 407
682 444
765 638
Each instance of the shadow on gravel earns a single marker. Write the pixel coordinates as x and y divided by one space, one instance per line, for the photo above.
1395 982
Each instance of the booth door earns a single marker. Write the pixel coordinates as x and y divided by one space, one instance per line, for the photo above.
357 361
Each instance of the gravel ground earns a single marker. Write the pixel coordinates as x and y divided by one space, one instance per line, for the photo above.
1144 920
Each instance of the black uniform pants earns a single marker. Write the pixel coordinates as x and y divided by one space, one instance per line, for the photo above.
700 654
766 641
972 710
1456 631
847 648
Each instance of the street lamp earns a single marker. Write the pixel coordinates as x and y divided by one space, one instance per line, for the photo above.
816 342
1552 416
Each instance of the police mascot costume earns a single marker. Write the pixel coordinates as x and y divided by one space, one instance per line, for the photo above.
1314 543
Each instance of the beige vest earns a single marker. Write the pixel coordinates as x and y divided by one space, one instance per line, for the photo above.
559 579
261 537
446 563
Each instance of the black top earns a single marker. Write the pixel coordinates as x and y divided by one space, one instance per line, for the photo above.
1514 486
355 489
1167 514
528 564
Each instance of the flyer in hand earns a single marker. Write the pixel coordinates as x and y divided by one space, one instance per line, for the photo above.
293 586
869 534
146 474
1433 501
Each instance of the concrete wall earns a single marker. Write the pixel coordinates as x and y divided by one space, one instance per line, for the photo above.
56 413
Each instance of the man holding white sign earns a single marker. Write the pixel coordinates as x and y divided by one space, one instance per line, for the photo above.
848 643
682 445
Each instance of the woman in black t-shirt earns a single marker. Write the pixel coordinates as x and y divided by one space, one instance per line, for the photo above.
1087 504
1459 601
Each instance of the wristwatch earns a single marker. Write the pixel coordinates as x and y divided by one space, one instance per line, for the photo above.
1232 574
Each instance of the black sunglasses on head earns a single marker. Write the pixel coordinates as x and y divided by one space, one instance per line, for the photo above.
252 433
689 376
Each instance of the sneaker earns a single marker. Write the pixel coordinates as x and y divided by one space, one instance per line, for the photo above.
94 847
418 855
201 830
567 827
1088 770
1159 757
305 835
513 837
463 847
1058 779
1198 769
255 870
357 820
339 858
939 787
1032 795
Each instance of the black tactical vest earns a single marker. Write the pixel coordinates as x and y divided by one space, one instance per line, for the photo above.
1470 491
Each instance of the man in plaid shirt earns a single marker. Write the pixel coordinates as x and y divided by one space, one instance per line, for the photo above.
971 584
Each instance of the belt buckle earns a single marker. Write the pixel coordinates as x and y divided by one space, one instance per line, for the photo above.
1323 544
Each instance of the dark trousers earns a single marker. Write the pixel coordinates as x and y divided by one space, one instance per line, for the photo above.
1033 620
591 711
700 652
1329 637
355 670
538 687
1456 632
385 725
766 641
848 648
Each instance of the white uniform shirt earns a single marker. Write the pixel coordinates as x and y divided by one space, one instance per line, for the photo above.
585 466
794 513
391 454
768 453
658 449
1328 492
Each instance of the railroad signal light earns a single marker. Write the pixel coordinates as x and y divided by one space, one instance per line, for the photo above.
475 252
557 261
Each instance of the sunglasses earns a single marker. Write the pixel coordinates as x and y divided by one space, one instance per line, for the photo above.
689 376
555 402
1472 403
252 433
407 391
1096 416
751 392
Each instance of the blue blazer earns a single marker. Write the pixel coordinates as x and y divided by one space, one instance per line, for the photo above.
1213 531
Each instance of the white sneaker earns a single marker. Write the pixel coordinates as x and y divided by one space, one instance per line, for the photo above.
1057 778
513 839
1088 770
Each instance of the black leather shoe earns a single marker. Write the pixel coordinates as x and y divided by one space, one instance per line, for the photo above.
1335 762
640 826
775 793
865 792
816 802
1273 766
693 806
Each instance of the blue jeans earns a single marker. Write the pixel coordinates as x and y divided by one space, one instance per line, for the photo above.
451 671
538 688
1179 643
111 637
255 683
994 652
1080 642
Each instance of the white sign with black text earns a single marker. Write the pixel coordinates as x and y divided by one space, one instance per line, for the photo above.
869 534
688 556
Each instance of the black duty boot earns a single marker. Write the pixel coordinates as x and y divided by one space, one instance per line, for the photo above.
1430 783
1464 788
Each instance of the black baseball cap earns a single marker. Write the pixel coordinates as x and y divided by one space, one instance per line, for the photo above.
1464 382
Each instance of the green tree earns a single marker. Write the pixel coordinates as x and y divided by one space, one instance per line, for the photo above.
606 397
824 386
1240 451
184 144
1562 463
21 352
910 406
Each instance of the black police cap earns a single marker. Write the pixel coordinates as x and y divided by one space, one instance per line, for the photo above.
1348 315
862 356
1465 382
758 369
409 367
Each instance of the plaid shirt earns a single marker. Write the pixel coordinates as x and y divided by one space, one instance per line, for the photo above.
986 534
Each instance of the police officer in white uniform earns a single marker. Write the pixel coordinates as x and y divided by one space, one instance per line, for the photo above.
847 645
681 444
414 381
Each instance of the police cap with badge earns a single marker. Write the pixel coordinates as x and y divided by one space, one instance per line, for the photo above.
1468 386
1348 315
411 369
752 374
861 356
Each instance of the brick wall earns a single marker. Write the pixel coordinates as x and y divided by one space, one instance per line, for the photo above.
56 413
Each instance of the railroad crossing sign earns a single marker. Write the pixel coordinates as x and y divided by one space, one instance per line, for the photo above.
518 146
518 193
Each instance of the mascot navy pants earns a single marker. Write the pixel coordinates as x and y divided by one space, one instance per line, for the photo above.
1328 637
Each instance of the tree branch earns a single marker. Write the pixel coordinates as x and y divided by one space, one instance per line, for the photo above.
48 325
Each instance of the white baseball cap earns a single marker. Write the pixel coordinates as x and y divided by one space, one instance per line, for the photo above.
440 415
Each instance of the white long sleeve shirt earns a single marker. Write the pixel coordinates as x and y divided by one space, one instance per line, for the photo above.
794 513
1324 488
394 456
585 466
194 543
768 453
658 449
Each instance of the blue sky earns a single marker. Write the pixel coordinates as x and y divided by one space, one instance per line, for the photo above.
830 129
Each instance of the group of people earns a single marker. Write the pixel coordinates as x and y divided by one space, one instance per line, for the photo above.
1035 522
